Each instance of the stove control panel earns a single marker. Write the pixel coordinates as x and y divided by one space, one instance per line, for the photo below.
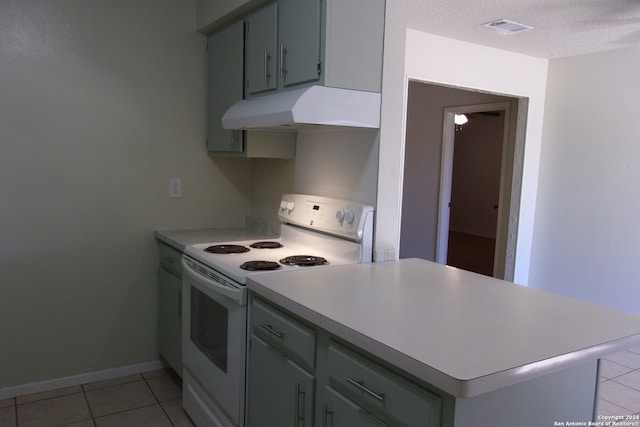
334 216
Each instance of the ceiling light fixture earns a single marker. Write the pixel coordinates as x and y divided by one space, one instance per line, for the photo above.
505 26
459 120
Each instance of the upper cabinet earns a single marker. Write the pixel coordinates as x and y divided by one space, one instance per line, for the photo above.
225 66
225 63
335 43
282 45
299 41
260 50
288 43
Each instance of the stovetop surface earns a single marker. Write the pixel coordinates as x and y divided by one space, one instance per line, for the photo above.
294 241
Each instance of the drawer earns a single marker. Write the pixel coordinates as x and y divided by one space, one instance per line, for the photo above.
170 259
285 333
381 391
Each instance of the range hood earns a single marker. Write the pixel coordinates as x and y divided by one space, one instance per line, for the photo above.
309 106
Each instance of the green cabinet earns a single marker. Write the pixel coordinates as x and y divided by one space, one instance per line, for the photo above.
299 41
381 393
337 410
225 66
335 43
261 51
169 307
281 393
281 385
299 372
225 62
282 45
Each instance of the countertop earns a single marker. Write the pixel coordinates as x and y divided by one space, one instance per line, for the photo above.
464 333
178 239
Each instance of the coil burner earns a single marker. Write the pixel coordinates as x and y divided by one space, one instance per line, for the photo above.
260 265
266 245
227 249
304 260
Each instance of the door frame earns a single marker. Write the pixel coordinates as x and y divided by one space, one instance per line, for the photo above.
446 176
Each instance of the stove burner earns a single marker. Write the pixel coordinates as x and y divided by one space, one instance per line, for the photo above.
260 265
226 249
266 245
304 260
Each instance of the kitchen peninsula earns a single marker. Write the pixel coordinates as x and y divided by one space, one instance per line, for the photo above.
455 348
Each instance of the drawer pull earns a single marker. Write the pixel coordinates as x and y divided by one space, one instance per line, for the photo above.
269 328
360 386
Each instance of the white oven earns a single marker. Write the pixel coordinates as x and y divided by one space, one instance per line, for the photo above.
213 345
315 232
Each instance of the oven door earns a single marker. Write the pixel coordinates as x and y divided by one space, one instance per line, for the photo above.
214 341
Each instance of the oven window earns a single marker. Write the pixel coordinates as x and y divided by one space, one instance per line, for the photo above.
209 327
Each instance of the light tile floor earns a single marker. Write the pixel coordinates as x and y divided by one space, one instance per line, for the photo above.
620 383
151 399
155 399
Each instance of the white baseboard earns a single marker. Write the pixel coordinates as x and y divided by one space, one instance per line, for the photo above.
89 377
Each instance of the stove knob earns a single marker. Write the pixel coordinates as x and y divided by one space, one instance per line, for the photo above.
290 206
349 217
340 216
283 205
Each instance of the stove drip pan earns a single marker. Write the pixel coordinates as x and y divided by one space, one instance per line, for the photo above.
266 245
304 260
227 249
260 265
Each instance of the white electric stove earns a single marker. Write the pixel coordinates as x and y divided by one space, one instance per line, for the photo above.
315 232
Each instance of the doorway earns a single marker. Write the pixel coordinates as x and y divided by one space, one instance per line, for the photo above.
470 193
427 105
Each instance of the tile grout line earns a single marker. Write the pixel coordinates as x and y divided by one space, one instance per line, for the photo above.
84 393
158 400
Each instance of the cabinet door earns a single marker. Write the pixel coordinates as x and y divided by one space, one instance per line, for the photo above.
169 319
299 33
225 63
281 393
261 53
339 411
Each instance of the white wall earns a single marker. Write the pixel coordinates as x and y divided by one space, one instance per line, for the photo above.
100 104
437 59
338 163
587 232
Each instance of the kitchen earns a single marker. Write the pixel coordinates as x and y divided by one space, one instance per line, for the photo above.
97 120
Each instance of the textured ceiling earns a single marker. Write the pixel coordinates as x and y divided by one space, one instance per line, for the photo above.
561 27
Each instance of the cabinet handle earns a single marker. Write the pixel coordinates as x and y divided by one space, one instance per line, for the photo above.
267 61
283 61
360 386
269 328
325 413
296 413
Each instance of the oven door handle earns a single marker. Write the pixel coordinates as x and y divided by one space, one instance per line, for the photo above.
238 295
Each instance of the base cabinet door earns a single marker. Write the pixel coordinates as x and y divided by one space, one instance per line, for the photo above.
281 393
338 411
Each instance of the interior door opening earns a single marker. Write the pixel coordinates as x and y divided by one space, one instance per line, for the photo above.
429 143
475 190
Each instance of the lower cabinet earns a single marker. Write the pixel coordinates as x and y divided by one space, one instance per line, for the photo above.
302 376
170 307
281 393
338 410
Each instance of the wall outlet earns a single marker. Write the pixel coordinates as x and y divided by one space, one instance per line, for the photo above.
175 188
